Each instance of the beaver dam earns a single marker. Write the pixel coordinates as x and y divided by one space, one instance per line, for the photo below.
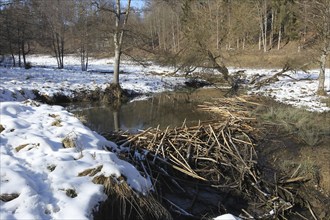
204 170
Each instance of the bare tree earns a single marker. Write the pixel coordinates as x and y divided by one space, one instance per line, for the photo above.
118 37
121 19
57 18
197 31
17 31
83 31
319 25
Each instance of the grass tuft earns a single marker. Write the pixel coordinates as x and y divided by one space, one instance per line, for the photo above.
125 204
308 127
71 193
91 171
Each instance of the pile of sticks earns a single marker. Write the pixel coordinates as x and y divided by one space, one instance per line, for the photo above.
220 155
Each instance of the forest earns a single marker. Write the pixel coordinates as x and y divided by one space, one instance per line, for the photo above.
180 32
185 33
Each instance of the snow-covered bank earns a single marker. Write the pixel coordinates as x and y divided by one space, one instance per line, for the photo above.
296 88
17 84
37 167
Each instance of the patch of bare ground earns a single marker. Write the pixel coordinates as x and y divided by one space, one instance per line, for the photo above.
274 58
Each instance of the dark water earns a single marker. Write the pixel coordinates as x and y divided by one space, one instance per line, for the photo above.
166 109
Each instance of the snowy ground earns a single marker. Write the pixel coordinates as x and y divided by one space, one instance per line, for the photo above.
44 175
17 84
298 90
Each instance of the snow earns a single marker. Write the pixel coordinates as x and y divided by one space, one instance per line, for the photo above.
35 165
17 84
226 217
298 90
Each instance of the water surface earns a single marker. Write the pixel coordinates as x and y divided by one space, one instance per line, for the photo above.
166 109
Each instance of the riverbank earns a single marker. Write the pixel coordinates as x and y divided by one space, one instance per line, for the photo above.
45 82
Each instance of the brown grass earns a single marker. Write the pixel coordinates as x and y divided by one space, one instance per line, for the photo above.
70 141
253 58
125 204
91 171
309 127
20 147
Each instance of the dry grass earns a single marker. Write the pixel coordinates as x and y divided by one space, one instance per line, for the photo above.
125 204
308 127
20 147
326 100
28 146
306 169
70 140
71 193
253 58
57 121
8 197
91 171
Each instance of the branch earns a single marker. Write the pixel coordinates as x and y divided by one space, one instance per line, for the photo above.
104 8
274 77
141 62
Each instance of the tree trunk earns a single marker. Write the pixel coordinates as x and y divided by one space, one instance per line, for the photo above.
271 36
62 52
23 52
243 43
118 41
116 121
116 65
265 28
19 48
217 18
279 38
83 57
320 88
178 33
173 36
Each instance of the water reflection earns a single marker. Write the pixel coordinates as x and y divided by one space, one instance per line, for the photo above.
167 109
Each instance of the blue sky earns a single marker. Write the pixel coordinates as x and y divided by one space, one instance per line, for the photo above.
135 3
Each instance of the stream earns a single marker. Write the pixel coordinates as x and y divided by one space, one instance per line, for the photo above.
165 109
